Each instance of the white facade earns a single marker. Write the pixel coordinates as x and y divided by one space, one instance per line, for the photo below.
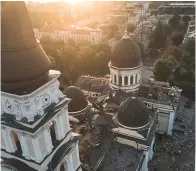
33 104
127 79
190 34
38 146
148 150
94 36
166 116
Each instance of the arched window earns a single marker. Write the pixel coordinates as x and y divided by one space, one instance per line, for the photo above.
114 79
120 80
16 141
131 80
136 78
126 80
64 166
53 132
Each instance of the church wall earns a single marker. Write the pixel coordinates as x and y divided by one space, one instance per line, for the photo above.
39 167
130 78
36 147
131 143
43 145
3 139
166 116
32 104
75 157
71 161
171 122
30 149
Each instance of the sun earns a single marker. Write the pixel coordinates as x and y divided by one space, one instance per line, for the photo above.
46 1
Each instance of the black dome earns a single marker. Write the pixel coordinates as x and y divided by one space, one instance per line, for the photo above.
23 58
125 54
78 99
133 113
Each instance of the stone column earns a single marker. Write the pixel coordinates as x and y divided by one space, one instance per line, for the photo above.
6 143
24 147
77 152
133 78
117 79
66 117
10 144
61 126
70 161
129 80
36 147
57 128
65 122
123 80
48 140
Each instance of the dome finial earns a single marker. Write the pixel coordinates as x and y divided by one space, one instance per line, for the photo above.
126 36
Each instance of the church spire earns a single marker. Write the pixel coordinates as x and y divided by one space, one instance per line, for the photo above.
126 36
23 59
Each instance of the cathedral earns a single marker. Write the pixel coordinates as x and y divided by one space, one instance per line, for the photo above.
45 129
35 130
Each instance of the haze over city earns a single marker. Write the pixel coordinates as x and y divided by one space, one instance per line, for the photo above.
97 85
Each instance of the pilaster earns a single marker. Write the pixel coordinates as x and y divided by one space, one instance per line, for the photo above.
129 80
48 140
36 147
61 126
123 80
24 147
10 141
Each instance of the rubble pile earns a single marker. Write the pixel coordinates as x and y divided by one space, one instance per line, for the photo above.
97 135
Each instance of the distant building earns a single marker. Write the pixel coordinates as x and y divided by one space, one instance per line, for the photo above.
144 30
190 34
75 33
180 8
141 8
92 87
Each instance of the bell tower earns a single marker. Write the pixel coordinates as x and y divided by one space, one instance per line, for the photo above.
35 130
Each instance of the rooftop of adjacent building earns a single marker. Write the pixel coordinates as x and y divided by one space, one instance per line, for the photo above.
98 147
90 83
121 158
149 90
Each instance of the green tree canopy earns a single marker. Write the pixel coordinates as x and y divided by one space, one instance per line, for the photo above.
186 18
173 51
161 69
177 38
158 38
131 28
189 46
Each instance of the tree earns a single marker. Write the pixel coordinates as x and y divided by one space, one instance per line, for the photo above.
182 27
189 46
167 29
131 28
161 69
186 18
158 38
174 21
173 51
177 38
141 46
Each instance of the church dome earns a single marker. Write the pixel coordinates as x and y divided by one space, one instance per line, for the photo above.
133 113
22 57
125 53
78 99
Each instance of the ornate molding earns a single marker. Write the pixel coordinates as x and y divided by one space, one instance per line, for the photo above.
31 105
